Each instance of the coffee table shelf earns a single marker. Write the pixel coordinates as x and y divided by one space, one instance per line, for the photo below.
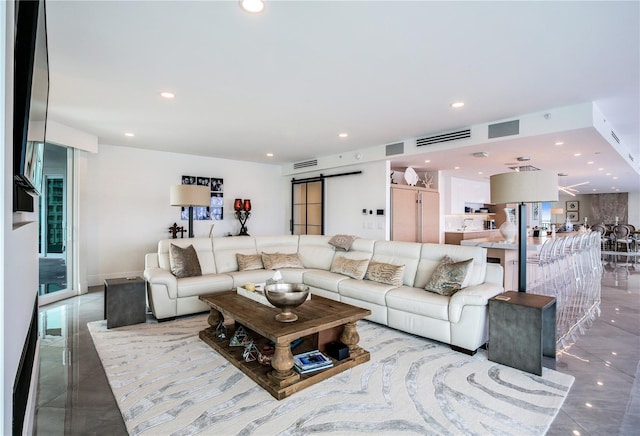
320 321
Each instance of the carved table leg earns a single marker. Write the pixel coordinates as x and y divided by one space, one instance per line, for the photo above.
282 363
350 338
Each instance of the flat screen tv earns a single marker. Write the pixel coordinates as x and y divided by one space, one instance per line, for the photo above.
31 95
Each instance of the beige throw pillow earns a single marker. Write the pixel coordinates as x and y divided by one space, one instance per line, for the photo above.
342 242
281 260
184 261
248 262
353 268
448 276
385 273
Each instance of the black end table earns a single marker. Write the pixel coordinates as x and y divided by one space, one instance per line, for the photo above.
522 331
125 301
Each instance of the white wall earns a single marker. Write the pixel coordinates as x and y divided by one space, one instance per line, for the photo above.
19 273
127 204
346 196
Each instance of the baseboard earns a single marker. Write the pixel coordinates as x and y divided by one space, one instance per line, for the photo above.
32 401
98 279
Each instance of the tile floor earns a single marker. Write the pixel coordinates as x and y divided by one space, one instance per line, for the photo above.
74 397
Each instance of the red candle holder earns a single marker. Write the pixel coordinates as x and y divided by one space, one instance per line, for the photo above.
247 205
237 204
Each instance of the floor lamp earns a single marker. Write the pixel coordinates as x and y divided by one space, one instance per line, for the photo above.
190 196
523 187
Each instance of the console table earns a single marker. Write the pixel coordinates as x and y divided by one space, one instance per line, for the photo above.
522 330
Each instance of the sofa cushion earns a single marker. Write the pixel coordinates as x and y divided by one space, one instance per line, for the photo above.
323 279
315 251
432 254
353 268
342 242
399 253
225 249
364 290
281 260
202 285
385 273
203 249
449 276
248 262
419 302
184 261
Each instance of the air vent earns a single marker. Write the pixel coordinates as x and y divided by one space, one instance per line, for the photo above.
397 148
305 164
508 128
614 136
445 137
525 168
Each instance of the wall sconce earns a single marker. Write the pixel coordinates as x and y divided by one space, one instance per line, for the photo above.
243 212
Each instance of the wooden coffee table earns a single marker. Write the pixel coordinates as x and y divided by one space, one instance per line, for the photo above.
320 321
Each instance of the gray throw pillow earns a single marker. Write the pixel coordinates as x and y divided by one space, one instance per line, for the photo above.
448 276
342 242
184 261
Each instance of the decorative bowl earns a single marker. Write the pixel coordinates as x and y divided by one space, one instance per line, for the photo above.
286 296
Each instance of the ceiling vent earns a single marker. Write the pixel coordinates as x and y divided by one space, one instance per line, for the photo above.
445 137
305 164
393 149
525 168
508 128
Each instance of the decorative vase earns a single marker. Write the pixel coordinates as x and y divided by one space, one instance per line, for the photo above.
568 226
508 229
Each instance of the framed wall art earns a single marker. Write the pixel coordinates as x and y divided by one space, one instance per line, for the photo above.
214 210
573 216
573 206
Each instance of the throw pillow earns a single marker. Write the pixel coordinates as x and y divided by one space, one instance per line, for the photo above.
281 260
342 242
353 268
184 261
448 276
385 273
248 262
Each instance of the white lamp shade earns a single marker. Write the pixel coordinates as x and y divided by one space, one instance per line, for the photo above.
557 211
524 187
189 195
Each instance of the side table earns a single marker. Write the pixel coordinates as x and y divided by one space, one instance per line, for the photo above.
125 301
522 330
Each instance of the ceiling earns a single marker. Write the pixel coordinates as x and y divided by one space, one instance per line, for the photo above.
289 80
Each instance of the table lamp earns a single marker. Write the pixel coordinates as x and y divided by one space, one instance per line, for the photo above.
190 196
523 187
556 211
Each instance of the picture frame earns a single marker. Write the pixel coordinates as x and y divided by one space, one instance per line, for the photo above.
573 206
573 216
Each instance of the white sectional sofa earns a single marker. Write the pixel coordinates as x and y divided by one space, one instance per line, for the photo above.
459 320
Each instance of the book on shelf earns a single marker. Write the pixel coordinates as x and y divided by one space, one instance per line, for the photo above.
311 361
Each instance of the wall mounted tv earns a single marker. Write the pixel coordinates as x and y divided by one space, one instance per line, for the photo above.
30 98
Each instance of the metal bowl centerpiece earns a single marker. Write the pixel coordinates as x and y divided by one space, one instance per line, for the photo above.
286 296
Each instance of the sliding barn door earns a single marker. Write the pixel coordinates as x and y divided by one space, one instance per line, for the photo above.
307 208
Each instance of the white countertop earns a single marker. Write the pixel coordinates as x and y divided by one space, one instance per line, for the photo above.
533 244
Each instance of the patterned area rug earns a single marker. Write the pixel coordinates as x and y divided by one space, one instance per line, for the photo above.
167 381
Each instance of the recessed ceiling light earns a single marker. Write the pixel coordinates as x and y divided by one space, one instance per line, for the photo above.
600 169
129 134
608 174
269 154
456 168
577 154
480 172
559 143
343 135
590 162
615 177
457 104
253 6
427 161
167 94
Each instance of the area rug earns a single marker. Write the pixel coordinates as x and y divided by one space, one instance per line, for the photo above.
166 381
